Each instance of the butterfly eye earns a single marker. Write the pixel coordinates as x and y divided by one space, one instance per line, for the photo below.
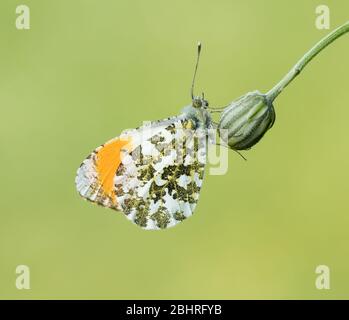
197 103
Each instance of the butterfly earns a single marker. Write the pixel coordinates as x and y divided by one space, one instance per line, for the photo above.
154 173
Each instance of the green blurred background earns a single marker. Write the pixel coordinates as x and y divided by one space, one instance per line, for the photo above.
86 70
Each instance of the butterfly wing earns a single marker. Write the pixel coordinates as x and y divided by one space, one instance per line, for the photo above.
153 174
158 185
95 176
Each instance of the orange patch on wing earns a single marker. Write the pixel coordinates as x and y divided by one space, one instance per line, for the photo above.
108 161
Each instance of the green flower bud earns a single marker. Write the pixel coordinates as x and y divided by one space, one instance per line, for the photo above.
246 120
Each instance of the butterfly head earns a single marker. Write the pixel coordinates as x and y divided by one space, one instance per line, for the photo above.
199 102
198 112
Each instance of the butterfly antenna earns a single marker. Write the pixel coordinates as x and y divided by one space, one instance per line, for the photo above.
196 69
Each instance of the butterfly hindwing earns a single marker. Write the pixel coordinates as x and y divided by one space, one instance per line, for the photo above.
158 184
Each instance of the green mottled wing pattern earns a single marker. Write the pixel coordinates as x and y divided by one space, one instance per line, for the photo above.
158 184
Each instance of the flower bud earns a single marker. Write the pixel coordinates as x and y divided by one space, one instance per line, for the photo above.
246 120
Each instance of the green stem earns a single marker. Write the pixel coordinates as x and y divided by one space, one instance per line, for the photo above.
299 66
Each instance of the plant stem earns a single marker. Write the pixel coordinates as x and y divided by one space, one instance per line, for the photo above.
299 66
